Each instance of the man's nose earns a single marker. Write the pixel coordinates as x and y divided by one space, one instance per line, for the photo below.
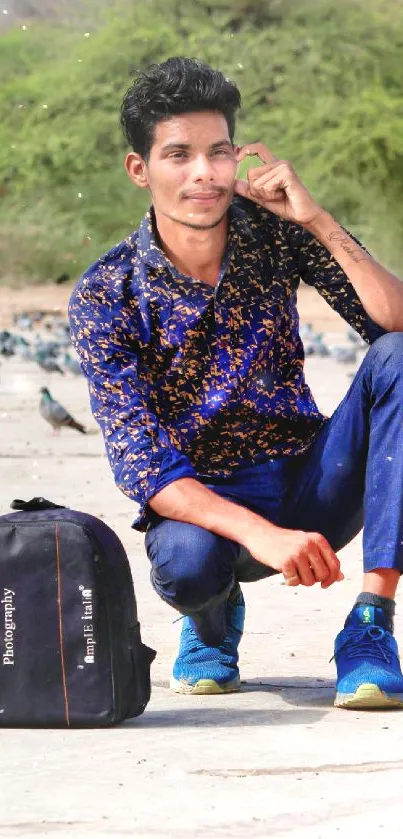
203 168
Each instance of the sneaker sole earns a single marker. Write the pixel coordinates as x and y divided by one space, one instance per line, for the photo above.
204 686
368 696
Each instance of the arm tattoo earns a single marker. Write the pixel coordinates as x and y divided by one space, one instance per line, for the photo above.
349 247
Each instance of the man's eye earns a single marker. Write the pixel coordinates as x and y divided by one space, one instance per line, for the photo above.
221 151
177 154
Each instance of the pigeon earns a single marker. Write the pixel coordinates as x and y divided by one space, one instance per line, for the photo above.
306 331
50 365
72 364
354 337
22 348
7 343
320 347
54 413
345 355
48 362
22 320
316 346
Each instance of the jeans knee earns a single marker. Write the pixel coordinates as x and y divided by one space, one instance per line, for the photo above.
388 347
190 565
384 362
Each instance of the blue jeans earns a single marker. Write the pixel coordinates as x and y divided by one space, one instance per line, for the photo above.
352 476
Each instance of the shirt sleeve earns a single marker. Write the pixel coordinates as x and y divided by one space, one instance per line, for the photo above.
318 268
139 451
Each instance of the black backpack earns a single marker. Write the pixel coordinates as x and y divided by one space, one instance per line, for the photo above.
70 643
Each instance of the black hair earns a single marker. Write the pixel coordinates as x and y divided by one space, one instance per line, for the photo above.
176 86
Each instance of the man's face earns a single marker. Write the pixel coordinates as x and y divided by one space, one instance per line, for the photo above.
192 168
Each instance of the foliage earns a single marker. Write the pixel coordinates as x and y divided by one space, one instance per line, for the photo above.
321 85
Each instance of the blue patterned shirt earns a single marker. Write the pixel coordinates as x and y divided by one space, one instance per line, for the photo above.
187 379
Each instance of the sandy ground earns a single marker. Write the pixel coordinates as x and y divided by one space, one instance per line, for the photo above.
276 760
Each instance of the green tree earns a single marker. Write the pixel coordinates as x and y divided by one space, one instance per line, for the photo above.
321 85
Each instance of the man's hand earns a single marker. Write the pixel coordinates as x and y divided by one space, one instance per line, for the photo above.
276 187
303 558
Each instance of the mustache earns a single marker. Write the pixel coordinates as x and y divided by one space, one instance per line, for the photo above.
218 190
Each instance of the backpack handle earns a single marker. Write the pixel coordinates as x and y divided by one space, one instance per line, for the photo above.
38 503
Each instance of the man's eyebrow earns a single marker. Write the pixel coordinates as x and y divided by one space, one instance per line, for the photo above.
187 146
170 146
221 143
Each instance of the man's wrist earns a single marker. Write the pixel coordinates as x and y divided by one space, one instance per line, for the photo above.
322 224
330 233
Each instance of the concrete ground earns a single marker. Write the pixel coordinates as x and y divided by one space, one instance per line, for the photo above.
275 760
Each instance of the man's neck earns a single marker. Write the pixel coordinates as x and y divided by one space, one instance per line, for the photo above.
195 253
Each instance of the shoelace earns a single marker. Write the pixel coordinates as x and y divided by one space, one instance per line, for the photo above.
181 617
370 640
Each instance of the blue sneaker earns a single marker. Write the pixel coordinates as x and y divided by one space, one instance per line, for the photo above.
200 669
367 659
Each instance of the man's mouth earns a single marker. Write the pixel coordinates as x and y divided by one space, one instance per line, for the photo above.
204 197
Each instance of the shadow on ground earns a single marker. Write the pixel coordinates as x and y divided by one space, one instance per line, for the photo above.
199 717
311 698
305 691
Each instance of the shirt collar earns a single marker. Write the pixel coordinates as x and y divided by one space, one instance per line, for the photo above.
150 252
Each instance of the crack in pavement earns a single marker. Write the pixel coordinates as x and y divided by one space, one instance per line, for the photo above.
371 766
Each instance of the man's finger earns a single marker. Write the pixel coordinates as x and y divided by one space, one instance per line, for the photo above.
259 149
339 578
276 195
291 574
319 567
262 176
294 580
259 173
332 562
306 572
242 188
269 187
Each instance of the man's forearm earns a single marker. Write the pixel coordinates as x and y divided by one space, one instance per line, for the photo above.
190 501
380 292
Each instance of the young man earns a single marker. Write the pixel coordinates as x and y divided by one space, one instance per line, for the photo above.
188 334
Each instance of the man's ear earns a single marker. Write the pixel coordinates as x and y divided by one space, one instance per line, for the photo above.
136 169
